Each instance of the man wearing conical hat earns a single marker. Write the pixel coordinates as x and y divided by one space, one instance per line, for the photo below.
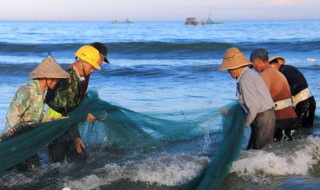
27 105
66 96
303 101
254 98
286 118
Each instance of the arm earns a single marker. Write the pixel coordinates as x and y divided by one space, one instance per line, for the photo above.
249 93
66 95
19 105
57 99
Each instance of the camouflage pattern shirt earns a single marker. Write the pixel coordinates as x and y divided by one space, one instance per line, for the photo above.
67 94
65 97
27 105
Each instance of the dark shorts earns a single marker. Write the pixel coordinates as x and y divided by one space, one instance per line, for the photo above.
305 111
285 129
262 130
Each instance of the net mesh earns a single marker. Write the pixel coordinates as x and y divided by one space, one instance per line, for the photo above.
45 179
124 130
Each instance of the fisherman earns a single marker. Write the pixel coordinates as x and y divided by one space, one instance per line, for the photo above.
286 118
303 101
65 97
103 58
254 98
27 105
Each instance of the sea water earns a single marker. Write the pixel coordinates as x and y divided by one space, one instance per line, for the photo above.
169 66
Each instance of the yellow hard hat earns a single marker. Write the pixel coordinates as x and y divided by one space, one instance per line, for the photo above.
90 55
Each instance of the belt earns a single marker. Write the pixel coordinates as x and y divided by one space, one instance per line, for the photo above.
279 105
301 96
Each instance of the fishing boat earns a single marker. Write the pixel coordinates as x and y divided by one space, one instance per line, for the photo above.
127 21
193 21
210 21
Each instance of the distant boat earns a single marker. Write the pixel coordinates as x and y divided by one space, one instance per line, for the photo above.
192 21
115 21
210 21
127 21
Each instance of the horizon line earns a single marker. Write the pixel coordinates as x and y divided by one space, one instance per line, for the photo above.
224 20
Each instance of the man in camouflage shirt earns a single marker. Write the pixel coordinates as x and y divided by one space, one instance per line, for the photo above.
20 111
28 103
65 97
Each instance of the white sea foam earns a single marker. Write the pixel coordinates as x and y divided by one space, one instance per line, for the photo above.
256 164
311 59
88 182
168 170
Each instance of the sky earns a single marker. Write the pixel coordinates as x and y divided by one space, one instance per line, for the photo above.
158 10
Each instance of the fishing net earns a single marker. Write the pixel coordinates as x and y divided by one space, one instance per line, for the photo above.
228 151
125 131
46 179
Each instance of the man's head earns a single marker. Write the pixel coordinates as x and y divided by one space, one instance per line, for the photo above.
89 58
234 61
50 71
259 58
102 50
276 62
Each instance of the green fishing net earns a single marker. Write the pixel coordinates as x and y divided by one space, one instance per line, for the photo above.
228 151
126 131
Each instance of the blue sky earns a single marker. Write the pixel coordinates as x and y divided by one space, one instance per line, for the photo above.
159 10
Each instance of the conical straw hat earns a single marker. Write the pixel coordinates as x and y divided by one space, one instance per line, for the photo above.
48 68
234 59
279 59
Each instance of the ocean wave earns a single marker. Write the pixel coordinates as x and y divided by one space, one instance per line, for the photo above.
20 70
162 50
165 171
140 71
157 71
302 159
184 70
